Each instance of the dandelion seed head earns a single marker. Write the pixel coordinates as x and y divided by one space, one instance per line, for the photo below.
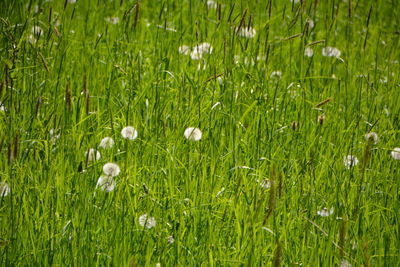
129 133
146 221
308 52
330 52
265 183
106 183
310 23
53 136
111 169
184 49
113 20
372 137
247 32
106 143
201 49
36 30
345 263
170 239
350 161
276 74
325 212
4 189
195 55
92 155
193 134
2 107
396 153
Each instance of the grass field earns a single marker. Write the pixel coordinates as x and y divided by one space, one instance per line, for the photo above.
292 157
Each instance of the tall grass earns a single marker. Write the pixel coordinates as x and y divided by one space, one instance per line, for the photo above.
276 126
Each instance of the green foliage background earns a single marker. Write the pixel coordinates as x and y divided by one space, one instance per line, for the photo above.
87 78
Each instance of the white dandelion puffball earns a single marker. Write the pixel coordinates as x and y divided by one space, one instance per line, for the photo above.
170 239
193 134
310 23
92 154
396 153
4 189
247 32
106 183
36 30
184 49
107 143
276 73
201 49
330 52
195 55
111 169
350 161
129 133
113 20
325 212
2 107
146 221
308 52
265 184
345 263
373 137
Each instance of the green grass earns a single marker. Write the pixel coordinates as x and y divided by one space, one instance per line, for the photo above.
87 78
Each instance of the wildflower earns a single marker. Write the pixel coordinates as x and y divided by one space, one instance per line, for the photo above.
106 142
330 52
247 32
325 212
111 169
92 155
276 73
129 133
350 161
396 153
146 221
106 183
308 52
211 4
193 134
72 1
4 189
184 49
372 137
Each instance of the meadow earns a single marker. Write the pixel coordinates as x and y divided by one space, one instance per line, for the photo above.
200 133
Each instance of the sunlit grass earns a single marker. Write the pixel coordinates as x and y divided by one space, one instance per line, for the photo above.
187 133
